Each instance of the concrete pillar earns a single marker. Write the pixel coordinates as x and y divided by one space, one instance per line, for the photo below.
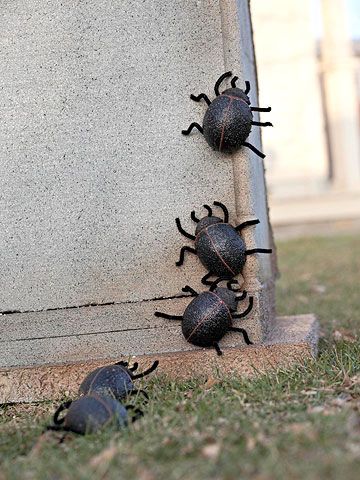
94 172
341 98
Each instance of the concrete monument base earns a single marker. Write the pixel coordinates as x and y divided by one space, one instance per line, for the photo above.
292 340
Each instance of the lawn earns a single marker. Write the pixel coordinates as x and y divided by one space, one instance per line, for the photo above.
303 423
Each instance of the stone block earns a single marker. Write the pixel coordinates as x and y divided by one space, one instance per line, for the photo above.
293 340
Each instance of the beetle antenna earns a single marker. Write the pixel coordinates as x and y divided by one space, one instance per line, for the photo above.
233 81
187 288
209 209
149 370
193 217
219 80
224 209
254 149
244 332
247 87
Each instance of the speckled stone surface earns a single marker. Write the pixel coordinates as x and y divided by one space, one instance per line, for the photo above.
293 340
94 168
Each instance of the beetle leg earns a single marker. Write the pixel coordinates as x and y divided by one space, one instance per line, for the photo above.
224 209
233 81
259 109
122 364
247 224
192 125
200 97
254 149
262 124
134 367
205 279
247 87
245 312
219 80
149 370
231 283
258 250
217 348
241 297
215 283
182 253
138 413
187 288
182 231
136 391
63 406
245 335
168 317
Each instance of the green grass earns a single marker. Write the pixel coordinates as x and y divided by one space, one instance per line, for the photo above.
303 423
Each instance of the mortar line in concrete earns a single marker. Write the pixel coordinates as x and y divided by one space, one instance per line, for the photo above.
86 305
77 334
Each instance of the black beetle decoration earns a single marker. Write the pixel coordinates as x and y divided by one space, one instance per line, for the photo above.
210 315
116 380
228 120
218 244
91 413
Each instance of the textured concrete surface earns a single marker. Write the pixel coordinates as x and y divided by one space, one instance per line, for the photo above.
94 168
293 340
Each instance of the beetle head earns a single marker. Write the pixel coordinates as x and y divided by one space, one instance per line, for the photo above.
228 297
205 222
237 92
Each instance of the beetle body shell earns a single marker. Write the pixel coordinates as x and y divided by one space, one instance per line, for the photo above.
93 412
221 249
227 121
206 320
112 380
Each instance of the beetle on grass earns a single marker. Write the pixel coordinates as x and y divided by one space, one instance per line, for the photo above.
209 316
218 244
92 413
228 120
116 380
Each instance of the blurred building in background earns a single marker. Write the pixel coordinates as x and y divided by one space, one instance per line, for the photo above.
313 86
